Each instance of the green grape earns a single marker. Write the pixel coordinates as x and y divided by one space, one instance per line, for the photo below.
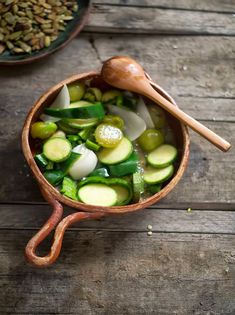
108 136
114 120
76 91
151 139
158 116
43 130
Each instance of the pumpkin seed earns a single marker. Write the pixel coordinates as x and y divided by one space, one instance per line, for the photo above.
31 25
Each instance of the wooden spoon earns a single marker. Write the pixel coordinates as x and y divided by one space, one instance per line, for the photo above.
125 73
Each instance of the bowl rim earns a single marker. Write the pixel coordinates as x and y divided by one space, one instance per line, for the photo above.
47 187
29 59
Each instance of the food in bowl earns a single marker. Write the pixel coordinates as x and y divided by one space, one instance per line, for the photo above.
104 147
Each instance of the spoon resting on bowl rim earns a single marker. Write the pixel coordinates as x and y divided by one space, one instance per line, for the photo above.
125 73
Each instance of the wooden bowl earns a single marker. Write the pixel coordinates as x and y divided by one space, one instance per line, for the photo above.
86 211
72 29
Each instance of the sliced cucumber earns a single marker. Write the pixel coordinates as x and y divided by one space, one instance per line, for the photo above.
81 123
92 111
138 186
162 156
122 195
153 175
116 155
66 128
57 149
98 195
121 186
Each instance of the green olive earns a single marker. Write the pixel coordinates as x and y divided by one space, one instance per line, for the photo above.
158 116
114 121
151 139
111 96
43 130
76 91
108 136
93 95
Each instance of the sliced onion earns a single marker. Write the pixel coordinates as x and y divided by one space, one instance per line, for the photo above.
134 124
62 101
143 112
85 164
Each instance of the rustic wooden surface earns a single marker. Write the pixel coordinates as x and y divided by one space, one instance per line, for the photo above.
111 266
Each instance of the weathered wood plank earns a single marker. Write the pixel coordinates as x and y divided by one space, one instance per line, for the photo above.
151 20
202 5
162 220
113 273
185 66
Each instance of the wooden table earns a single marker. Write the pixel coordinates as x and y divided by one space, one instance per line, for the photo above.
111 266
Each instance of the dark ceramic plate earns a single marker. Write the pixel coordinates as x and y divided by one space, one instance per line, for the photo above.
72 29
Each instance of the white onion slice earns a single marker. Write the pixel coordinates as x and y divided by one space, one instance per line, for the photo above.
134 124
85 164
143 112
62 101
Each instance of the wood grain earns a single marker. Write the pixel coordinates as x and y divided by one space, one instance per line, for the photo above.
97 271
194 5
32 217
152 20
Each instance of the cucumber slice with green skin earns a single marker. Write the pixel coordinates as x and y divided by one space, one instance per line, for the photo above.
116 155
66 128
123 195
138 186
125 168
81 123
162 156
121 186
54 177
92 111
154 175
103 172
57 149
97 194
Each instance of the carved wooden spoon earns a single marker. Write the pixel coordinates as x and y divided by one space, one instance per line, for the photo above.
125 73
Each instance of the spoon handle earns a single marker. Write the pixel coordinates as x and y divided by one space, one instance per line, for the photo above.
205 132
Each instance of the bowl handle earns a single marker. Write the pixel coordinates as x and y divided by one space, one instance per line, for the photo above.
30 250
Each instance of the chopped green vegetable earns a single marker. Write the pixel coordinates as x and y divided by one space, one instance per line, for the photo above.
126 167
41 160
151 139
54 177
103 172
92 145
57 149
50 165
138 186
85 133
69 188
